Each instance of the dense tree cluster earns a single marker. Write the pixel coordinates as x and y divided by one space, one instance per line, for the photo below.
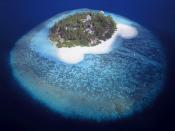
83 29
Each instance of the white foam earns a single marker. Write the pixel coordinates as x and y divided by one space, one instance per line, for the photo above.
76 54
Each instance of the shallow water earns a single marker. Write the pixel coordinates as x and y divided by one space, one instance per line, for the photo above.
101 87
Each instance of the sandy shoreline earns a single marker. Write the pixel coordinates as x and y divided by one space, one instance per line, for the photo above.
76 54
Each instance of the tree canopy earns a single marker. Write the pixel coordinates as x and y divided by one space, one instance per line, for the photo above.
83 29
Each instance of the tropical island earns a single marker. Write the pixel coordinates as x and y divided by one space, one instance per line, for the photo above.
82 29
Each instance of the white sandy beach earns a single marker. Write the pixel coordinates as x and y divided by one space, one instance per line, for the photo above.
76 54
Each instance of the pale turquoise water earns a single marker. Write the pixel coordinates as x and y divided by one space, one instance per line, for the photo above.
101 87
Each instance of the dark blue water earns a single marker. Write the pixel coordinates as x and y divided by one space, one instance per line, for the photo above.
17 17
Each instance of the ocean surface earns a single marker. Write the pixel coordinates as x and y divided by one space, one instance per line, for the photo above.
19 112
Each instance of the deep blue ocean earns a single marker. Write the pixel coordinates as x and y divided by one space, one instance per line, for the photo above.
19 112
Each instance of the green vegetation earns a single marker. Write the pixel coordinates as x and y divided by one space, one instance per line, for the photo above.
82 29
